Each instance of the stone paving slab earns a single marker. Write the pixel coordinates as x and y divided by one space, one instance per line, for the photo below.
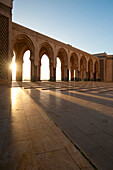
19 156
30 139
3 126
87 123
58 160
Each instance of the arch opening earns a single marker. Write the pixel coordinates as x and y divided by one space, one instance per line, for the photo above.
58 69
26 73
24 56
62 55
45 70
74 67
45 52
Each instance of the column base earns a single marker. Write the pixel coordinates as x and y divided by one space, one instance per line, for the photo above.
52 79
66 79
72 79
38 78
85 79
76 79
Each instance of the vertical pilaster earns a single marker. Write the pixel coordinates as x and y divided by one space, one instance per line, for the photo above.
32 70
35 72
84 75
38 72
54 74
102 70
51 72
62 72
91 76
78 75
67 74
72 74
19 70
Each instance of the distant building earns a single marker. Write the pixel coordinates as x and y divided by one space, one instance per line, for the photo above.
106 66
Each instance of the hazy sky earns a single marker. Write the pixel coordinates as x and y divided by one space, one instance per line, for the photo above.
84 24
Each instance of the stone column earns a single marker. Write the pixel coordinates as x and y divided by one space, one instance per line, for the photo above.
51 72
38 72
32 70
84 75
97 76
72 74
78 75
65 73
62 73
54 74
19 70
35 72
102 69
91 76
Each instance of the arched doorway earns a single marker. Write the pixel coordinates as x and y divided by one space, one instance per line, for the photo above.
46 51
21 46
74 66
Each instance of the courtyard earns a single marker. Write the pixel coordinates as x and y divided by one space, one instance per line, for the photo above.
56 125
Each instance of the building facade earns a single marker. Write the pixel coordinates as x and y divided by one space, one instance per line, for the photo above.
18 39
106 67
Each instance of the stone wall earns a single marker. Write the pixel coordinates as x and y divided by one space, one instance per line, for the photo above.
109 69
5 39
4 26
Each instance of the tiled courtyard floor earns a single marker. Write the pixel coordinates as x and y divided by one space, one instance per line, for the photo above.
32 114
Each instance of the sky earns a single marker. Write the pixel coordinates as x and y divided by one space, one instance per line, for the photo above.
84 24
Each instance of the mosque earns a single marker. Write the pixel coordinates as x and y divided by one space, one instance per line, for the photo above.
15 38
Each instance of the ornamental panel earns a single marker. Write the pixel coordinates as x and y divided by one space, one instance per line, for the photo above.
4 24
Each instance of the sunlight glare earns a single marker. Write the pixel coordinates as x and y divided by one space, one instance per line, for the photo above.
13 68
14 95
